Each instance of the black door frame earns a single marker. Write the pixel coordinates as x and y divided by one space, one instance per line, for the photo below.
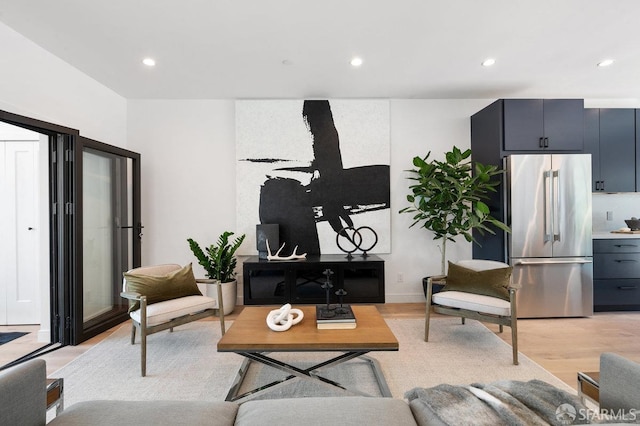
79 334
65 213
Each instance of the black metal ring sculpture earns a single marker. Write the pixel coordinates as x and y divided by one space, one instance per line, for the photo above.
357 245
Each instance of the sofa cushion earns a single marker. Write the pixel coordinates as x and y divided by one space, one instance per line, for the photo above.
489 282
161 312
344 411
158 288
152 413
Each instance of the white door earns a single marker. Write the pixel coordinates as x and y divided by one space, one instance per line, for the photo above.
19 268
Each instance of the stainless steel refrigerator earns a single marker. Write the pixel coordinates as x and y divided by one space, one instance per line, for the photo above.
549 211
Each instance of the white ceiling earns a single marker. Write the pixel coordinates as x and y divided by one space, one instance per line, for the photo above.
411 48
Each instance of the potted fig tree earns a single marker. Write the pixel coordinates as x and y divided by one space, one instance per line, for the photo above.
447 197
219 262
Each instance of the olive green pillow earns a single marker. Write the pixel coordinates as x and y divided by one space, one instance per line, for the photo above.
491 282
179 283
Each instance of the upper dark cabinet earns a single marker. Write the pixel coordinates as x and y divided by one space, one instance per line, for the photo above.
610 138
543 124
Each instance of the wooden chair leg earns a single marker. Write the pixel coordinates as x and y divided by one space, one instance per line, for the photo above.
514 324
426 323
427 314
143 353
463 320
133 334
221 309
500 329
143 336
514 340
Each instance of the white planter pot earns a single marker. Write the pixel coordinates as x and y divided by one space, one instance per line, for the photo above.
229 294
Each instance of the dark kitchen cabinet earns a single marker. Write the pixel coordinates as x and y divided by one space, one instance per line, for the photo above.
543 124
610 138
637 149
279 282
616 274
520 126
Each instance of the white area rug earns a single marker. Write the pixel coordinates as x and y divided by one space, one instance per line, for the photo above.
184 365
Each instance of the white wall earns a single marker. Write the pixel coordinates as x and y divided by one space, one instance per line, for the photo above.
36 84
188 179
39 85
188 174
622 206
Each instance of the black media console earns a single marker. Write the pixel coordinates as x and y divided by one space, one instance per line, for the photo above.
300 281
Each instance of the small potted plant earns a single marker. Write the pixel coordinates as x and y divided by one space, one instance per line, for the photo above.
219 262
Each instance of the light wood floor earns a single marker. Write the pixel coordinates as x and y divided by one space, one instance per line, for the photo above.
563 346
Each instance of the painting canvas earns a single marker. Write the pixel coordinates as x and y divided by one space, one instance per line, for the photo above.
318 169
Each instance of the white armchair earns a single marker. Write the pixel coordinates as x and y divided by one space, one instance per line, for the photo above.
152 317
471 304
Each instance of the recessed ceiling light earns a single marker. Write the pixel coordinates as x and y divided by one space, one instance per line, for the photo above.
150 62
356 62
605 63
488 62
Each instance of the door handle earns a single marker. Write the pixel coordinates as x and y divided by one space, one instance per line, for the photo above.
548 217
627 287
556 209
552 262
625 245
30 228
625 261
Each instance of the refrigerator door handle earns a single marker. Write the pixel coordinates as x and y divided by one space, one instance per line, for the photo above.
548 217
552 261
556 208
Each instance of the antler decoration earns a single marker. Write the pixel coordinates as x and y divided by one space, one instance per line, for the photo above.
277 256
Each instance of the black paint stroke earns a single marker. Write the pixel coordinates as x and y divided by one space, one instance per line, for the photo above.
334 193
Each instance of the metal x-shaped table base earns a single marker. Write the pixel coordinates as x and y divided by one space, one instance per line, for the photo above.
308 373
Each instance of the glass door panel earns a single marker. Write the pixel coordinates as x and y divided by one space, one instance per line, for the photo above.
110 227
98 242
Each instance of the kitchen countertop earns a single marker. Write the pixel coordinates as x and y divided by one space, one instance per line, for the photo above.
607 235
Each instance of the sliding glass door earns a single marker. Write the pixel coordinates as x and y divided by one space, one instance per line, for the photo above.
108 231
95 230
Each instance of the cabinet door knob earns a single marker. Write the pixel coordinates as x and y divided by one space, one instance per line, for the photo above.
546 142
541 142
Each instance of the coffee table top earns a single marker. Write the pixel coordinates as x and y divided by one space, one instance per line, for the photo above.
249 333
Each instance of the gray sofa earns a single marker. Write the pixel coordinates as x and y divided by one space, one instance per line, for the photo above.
23 402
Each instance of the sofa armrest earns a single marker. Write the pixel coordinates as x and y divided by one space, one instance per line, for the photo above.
23 394
619 383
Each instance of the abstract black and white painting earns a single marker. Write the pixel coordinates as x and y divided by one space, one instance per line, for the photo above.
314 167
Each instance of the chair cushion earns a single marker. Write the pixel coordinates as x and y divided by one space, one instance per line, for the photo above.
490 282
158 288
473 302
162 312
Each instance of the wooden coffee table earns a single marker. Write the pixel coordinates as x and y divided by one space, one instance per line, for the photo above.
250 337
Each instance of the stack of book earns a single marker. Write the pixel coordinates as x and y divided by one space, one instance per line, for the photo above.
335 317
